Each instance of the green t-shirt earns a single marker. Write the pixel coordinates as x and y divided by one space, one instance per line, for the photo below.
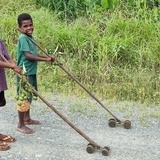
24 44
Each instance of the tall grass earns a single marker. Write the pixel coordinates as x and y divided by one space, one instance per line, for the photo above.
113 52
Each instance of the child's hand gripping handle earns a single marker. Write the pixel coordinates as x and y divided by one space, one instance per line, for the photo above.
15 68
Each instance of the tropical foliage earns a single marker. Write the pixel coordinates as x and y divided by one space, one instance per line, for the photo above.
112 47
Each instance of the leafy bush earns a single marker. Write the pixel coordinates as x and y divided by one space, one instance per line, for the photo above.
114 52
73 8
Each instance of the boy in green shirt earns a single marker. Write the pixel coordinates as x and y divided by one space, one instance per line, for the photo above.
27 57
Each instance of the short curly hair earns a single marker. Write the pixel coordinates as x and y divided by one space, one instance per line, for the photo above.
23 17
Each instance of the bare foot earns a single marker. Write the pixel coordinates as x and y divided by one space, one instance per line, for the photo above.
31 121
4 146
25 130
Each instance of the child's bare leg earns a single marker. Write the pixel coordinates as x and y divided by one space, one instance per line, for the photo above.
28 120
21 126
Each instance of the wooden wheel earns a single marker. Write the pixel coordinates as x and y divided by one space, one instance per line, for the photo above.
105 151
90 149
112 122
127 124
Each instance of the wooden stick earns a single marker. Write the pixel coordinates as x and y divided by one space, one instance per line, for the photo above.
78 82
59 114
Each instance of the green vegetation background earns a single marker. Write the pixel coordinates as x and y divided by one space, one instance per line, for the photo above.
111 48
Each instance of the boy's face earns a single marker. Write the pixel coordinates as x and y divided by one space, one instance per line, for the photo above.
27 27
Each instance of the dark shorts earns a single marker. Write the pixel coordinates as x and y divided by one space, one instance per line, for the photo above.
32 79
2 99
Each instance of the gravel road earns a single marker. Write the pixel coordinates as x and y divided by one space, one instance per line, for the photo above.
55 140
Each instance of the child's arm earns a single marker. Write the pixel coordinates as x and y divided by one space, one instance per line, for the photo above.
38 58
6 65
10 64
15 67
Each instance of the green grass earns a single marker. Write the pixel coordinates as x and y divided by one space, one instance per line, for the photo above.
114 53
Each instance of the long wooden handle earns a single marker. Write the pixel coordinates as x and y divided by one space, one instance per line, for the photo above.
80 84
58 113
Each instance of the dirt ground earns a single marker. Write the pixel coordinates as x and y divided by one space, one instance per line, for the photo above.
55 140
